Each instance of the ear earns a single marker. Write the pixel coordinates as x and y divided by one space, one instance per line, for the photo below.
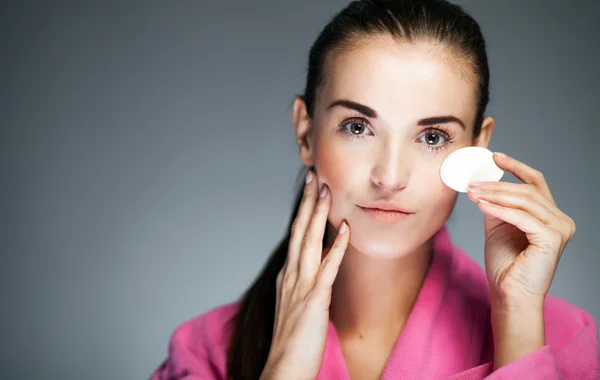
302 125
487 127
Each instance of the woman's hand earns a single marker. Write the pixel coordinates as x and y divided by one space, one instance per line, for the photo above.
304 291
525 233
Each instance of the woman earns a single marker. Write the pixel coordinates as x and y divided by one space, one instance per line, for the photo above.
393 87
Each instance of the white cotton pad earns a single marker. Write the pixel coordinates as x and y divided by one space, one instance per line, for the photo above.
468 164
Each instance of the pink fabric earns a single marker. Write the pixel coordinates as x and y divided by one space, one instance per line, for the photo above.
447 335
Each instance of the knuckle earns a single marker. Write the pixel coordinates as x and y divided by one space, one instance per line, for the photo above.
522 214
306 239
564 238
572 226
335 263
567 225
332 267
328 266
294 227
286 282
529 190
338 244
326 262
552 240
538 175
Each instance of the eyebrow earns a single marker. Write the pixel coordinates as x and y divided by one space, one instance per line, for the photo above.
371 113
365 110
441 120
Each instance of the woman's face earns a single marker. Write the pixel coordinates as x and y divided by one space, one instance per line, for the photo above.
384 120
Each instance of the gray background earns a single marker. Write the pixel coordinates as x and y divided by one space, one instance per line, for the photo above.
148 161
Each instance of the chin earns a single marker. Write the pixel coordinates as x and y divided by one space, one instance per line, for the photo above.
391 241
385 247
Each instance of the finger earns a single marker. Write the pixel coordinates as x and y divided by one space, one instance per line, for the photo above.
300 224
331 264
278 286
310 252
524 172
516 200
529 194
524 190
537 233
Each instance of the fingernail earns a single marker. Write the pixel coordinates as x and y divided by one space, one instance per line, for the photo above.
323 191
475 183
309 177
484 201
343 228
501 155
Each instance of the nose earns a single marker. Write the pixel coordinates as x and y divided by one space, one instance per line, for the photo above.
391 171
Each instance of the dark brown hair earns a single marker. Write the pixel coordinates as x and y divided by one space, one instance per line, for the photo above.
406 21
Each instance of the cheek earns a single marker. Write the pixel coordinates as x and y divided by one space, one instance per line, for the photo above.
336 167
343 173
438 197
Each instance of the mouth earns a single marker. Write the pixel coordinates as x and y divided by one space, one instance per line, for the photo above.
386 212
385 206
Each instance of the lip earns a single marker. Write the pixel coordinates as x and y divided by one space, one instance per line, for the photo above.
385 206
386 212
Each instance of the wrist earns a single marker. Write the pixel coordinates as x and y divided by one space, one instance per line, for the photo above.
518 330
516 301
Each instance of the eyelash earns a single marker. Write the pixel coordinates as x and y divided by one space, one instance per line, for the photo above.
437 130
342 129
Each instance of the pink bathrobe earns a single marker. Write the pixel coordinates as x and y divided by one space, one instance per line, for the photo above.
447 335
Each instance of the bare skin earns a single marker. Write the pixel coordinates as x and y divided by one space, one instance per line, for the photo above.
420 107
389 161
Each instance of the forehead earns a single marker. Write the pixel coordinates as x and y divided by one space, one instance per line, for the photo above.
402 81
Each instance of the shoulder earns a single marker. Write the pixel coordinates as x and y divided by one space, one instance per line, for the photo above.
198 346
210 329
565 322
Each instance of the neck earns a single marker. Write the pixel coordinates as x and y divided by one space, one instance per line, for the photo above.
375 295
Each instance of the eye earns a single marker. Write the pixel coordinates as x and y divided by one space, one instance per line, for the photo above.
433 137
436 139
355 128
